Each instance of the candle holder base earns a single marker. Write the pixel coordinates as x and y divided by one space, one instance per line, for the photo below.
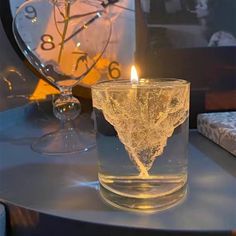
145 204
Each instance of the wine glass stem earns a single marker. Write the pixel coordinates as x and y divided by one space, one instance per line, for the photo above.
68 125
66 107
66 91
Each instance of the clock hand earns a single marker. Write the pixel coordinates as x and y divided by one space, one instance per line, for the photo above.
95 62
125 8
80 15
105 4
108 2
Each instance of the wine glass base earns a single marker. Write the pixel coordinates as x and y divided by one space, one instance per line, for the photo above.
65 141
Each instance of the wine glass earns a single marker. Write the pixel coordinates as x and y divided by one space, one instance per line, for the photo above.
63 40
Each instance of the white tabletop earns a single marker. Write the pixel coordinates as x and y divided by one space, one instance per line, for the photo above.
67 186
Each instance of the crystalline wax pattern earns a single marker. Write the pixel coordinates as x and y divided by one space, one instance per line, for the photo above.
144 116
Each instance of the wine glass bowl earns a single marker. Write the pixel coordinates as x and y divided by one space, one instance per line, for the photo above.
60 39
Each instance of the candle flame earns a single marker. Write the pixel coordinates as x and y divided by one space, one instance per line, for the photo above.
134 75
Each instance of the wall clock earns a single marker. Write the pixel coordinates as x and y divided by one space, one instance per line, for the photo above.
120 53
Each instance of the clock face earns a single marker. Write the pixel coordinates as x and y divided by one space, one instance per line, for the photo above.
119 54
63 41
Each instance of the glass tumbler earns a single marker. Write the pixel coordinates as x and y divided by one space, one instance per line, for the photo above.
144 166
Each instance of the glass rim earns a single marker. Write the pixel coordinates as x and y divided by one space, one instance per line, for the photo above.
143 83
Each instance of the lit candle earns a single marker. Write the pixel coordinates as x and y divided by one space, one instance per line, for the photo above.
134 75
143 114
134 81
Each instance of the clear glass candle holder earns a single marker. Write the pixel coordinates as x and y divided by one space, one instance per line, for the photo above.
144 167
